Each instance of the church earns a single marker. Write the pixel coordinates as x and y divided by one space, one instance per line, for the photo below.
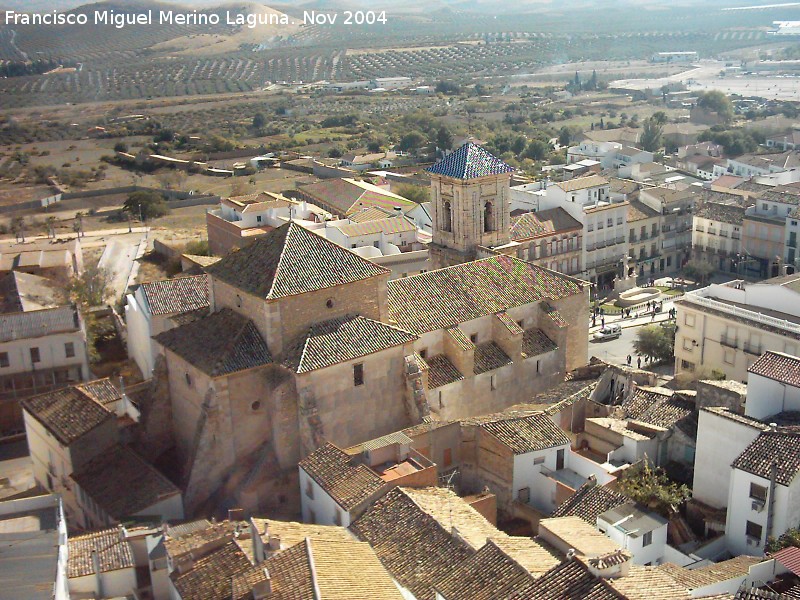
306 342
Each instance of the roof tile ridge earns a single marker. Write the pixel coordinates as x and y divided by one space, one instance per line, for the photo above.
290 228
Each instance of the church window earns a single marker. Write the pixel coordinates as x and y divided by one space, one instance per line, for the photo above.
488 218
447 217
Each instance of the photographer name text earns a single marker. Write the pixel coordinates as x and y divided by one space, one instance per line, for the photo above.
195 18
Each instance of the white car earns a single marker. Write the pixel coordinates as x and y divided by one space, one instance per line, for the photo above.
609 332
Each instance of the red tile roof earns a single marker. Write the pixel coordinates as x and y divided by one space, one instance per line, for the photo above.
789 558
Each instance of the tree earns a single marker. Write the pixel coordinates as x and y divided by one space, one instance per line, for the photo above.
444 139
651 134
411 141
51 226
335 152
655 342
414 193
536 150
716 101
564 136
447 87
698 270
18 228
259 121
145 205
120 147
651 487
374 146
90 288
791 537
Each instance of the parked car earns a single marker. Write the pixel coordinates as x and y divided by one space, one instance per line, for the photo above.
609 332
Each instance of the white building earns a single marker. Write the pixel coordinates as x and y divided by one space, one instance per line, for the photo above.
42 350
717 233
391 83
642 533
602 152
34 540
728 326
158 306
101 565
605 243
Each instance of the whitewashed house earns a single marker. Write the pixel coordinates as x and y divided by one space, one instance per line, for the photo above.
640 532
157 306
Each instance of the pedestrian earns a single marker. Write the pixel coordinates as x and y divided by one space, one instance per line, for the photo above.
629 360
602 321
653 316
594 321
639 362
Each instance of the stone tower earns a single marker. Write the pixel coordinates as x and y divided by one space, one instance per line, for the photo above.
470 195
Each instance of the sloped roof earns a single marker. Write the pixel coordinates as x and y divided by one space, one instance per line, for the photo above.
446 297
779 366
668 410
542 223
527 434
182 294
210 578
738 566
122 483
68 413
346 196
38 323
470 161
113 553
581 183
782 447
387 225
347 482
488 575
224 342
333 570
589 501
23 292
291 260
411 544
342 339
570 580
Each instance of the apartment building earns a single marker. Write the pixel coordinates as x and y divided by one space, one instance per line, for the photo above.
717 234
675 207
727 327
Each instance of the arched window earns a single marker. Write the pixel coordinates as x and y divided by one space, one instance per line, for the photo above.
488 217
447 217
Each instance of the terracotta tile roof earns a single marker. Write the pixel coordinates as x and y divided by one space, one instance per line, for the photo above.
38 323
789 558
100 390
781 367
470 161
729 414
211 576
342 339
710 574
347 196
441 371
639 211
570 580
224 342
649 583
543 223
510 324
337 570
68 413
122 483
589 501
527 434
170 296
411 544
536 342
762 594
579 535
723 213
113 553
369 214
650 405
346 481
781 447
291 260
446 297
291 532
193 536
387 226
581 183
553 314
488 357
460 338
488 575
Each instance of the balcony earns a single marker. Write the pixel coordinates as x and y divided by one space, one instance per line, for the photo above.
736 236
730 342
700 229
754 349
712 231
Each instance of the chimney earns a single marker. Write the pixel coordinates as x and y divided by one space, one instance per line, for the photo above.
235 514
612 565
773 427
274 543
263 589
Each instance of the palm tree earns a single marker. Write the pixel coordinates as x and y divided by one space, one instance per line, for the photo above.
77 226
18 228
51 226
